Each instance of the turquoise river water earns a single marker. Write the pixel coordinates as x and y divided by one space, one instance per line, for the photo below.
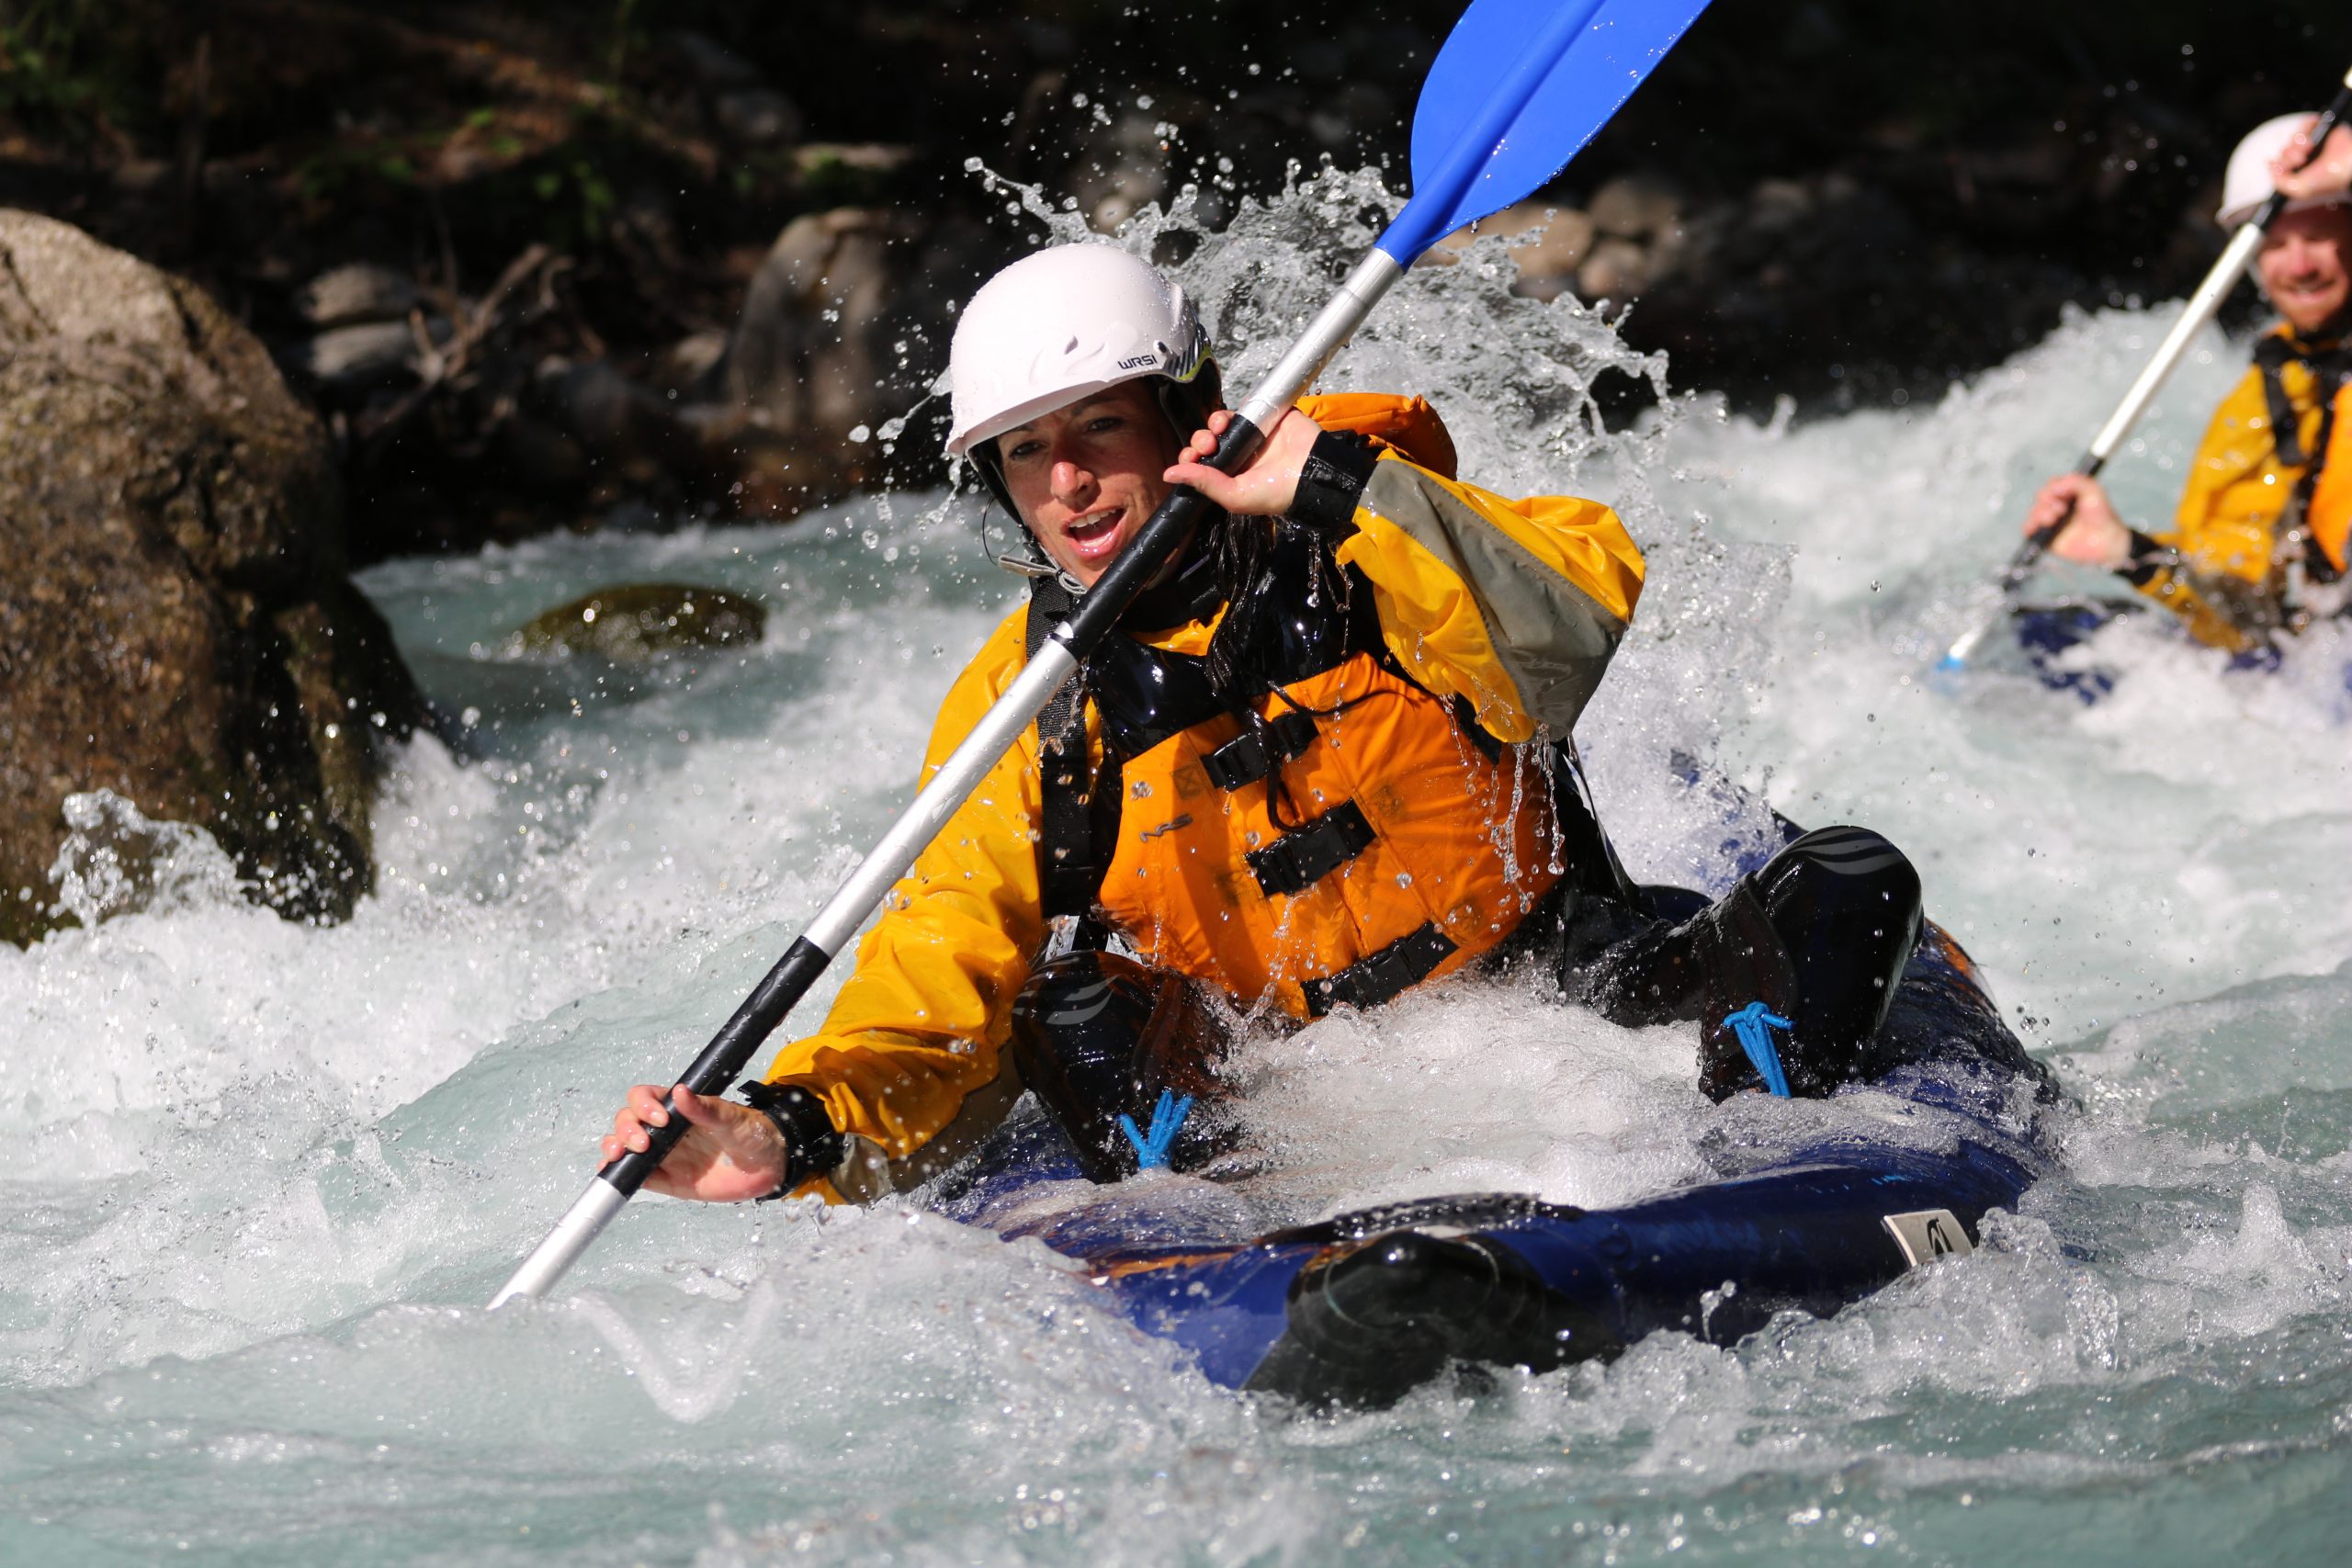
265 1174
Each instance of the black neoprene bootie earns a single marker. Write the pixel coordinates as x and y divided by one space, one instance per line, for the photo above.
1804 956
1846 903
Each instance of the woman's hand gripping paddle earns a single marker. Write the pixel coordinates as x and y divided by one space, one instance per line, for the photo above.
1519 87
2235 258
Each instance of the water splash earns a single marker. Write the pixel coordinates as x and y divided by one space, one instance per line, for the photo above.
115 862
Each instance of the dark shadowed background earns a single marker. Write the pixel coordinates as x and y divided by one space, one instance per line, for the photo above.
657 255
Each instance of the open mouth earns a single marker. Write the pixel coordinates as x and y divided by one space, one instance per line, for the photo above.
1093 533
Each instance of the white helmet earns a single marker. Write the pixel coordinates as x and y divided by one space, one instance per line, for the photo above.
2248 184
1057 326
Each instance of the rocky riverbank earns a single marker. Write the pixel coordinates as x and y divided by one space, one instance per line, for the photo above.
178 627
437 276
541 264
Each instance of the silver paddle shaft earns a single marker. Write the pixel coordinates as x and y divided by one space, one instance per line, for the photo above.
998 730
2201 307
1325 336
2223 277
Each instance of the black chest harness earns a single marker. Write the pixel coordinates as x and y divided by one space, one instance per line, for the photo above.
2329 363
1301 615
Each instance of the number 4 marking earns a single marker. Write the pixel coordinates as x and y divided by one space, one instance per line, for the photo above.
1928 1235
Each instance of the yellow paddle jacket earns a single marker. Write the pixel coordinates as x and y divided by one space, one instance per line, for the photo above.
1508 609
2224 566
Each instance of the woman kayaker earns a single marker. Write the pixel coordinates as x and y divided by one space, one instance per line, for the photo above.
1313 771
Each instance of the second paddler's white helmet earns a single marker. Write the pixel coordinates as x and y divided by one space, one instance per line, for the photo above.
2247 186
1057 326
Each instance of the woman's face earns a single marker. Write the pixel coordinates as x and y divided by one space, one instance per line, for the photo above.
1086 478
2304 265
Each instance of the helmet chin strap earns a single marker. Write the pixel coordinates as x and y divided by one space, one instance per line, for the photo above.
1038 563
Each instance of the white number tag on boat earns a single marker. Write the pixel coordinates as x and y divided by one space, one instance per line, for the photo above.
1928 1235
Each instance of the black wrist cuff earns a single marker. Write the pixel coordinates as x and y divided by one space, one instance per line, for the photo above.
1332 479
2149 557
812 1144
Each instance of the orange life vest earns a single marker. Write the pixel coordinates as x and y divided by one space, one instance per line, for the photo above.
1412 847
2330 514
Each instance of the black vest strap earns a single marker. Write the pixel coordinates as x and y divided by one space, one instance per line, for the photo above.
2329 364
1260 749
1305 855
1071 844
1374 980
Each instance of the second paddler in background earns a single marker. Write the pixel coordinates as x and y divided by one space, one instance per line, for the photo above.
2260 532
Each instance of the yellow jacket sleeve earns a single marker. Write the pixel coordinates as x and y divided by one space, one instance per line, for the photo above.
917 1034
1514 605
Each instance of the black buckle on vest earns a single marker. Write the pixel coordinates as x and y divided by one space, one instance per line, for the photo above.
1305 856
1245 759
1374 980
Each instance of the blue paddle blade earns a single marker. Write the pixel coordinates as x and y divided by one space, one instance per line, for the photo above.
1518 88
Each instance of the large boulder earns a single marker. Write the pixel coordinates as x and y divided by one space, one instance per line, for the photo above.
812 348
819 359
177 624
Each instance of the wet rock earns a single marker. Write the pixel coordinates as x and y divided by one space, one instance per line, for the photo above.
1547 243
760 117
688 365
1634 207
807 350
361 291
177 627
635 622
1548 261
115 862
834 324
372 353
1617 269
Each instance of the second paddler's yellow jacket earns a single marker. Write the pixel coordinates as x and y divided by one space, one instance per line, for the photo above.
2223 566
1508 608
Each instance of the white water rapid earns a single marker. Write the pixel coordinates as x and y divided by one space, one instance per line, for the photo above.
265 1174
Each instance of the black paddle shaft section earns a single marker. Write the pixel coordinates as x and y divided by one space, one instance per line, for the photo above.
2329 119
1098 611
726 1055
2029 554
1185 510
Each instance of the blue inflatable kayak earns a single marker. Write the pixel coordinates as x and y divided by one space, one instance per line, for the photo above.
2048 633
1361 1308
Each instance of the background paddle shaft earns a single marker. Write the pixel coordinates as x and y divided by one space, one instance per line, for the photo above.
2201 307
2235 258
